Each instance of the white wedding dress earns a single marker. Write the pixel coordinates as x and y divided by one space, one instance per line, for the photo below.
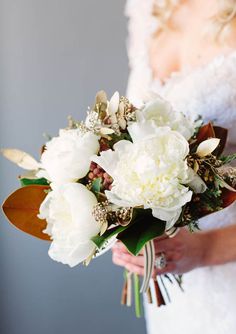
208 305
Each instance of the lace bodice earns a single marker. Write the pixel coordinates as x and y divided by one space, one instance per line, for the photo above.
208 90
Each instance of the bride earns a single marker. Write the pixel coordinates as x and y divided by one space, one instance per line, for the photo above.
185 51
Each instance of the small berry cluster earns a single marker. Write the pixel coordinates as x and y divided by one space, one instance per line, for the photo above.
96 171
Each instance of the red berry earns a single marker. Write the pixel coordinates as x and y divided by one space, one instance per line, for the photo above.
93 166
91 175
96 171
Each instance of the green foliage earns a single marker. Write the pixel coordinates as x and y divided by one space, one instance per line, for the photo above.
137 296
99 240
212 197
193 226
228 159
143 228
27 182
115 138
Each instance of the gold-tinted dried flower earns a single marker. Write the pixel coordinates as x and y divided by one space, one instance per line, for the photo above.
124 216
100 212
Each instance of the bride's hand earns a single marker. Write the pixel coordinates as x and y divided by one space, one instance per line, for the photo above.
184 252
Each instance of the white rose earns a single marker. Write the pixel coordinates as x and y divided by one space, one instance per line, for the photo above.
71 225
149 172
162 113
67 157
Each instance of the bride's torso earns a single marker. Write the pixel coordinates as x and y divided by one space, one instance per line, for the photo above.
206 87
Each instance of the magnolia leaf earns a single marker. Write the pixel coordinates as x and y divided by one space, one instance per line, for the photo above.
144 228
205 132
207 147
228 197
99 240
114 104
222 134
22 209
21 158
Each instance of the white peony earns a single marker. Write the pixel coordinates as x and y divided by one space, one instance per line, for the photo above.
67 157
162 113
149 172
71 225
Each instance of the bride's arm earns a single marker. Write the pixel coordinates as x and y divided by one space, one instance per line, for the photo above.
222 246
186 251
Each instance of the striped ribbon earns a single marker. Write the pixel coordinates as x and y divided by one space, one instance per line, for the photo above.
149 258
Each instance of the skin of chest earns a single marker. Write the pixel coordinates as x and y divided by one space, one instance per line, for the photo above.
187 42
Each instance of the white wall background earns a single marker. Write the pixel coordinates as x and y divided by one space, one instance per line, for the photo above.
54 56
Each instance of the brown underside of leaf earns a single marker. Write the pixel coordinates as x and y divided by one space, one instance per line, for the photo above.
209 131
228 197
22 207
205 132
222 134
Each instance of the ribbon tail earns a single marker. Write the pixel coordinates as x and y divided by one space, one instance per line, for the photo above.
159 296
149 258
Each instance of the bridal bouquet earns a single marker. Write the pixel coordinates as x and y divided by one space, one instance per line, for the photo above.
124 173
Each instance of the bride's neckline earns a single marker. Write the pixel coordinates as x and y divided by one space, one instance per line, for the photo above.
189 70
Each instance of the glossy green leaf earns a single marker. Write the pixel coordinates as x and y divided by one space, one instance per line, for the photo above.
137 296
144 228
228 159
99 240
27 182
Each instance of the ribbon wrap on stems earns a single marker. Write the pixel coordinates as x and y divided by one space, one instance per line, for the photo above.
149 259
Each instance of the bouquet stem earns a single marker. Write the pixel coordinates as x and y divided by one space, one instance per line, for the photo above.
129 289
126 296
149 296
137 296
124 291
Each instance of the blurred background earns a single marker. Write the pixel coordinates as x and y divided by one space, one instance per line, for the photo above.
54 56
